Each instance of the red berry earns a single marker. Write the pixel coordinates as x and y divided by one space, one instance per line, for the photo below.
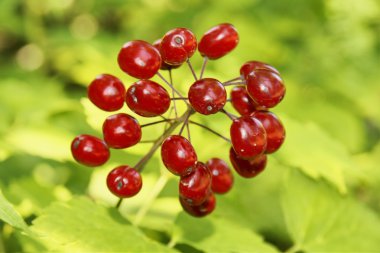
89 150
121 131
139 59
195 187
178 155
147 98
124 181
207 96
222 178
248 137
250 66
241 101
265 88
248 168
274 129
164 65
107 92
201 210
177 46
218 41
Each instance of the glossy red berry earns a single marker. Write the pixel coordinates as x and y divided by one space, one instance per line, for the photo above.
107 92
124 181
89 150
222 177
248 168
178 155
200 210
121 131
241 101
265 88
139 59
164 65
195 187
177 46
250 66
218 41
207 96
274 129
147 98
248 137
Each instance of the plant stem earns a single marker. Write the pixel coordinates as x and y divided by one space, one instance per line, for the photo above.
231 116
173 94
118 204
179 98
186 121
205 60
210 130
235 83
239 78
191 68
171 86
157 143
156 122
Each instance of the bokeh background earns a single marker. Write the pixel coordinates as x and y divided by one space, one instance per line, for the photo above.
328 52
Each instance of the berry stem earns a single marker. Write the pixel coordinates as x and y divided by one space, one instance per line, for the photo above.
173 94
205 60
239 78
147 141
171 86
234 83
156 122
192 69
157 143
118 204
210 130
231 116
178 99
186 120
188 131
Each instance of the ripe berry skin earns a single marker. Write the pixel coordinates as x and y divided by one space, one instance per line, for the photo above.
89 150
195 187
248 168
200 210
218 41
241 101
265 88
250 66
222 177
178 155
207 96
274 129
164 65
139 59
107 92
124 181
147 98
121 131
248 137
177 46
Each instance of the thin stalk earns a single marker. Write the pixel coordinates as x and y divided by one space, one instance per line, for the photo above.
156 122
188 131
235 83
185 122
205 60
173 94
171 86
192 69
118 204
210 130
147 141
231 116
234 79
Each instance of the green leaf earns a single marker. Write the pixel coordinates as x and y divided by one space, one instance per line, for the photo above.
9 214
319 219
310 149
215 234
84 226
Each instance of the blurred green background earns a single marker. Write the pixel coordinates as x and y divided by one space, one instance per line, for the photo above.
328 52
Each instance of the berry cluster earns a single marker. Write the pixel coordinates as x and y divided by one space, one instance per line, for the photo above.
253 135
